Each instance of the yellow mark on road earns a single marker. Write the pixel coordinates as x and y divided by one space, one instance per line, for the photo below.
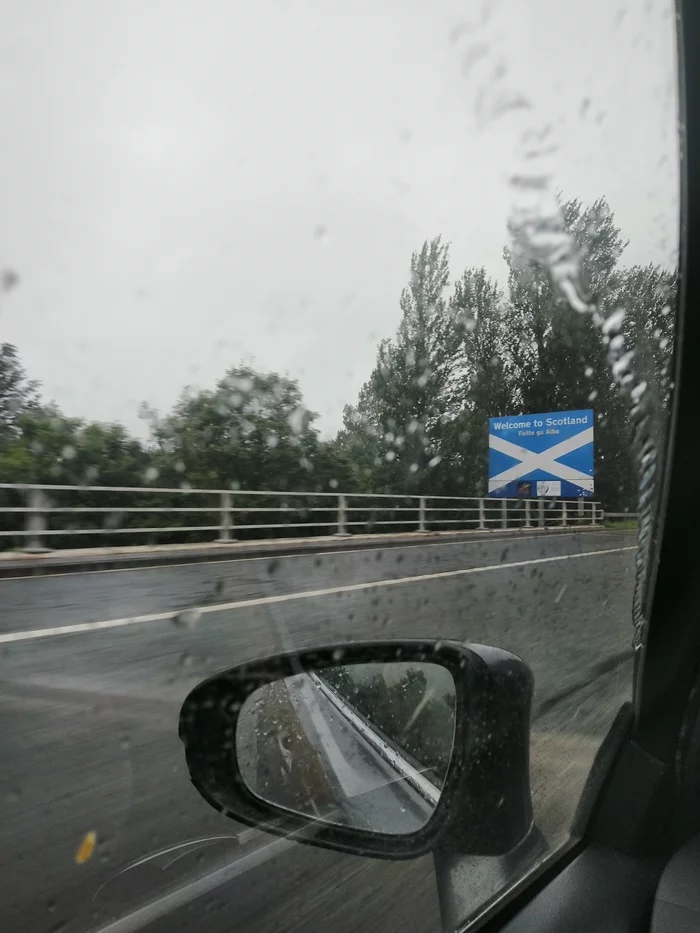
86 848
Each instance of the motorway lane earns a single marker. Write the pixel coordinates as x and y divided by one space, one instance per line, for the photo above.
107 594
89 728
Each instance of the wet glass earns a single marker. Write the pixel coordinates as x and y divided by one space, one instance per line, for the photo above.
364 745
267 270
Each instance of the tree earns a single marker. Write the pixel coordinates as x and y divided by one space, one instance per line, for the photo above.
456 362
420 421
559 356
479 382
394 429
647 296
52 448
17 393
252 431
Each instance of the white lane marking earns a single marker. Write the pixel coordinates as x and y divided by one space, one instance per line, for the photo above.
493 535
78 628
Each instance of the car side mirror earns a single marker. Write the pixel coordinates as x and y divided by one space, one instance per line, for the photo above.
388 749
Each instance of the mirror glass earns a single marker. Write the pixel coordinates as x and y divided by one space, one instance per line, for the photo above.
362 745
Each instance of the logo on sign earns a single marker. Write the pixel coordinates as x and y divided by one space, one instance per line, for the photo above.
553 451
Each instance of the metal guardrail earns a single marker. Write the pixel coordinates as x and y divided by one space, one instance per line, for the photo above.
89 513
418 780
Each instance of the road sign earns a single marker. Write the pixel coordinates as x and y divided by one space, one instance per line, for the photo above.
550 454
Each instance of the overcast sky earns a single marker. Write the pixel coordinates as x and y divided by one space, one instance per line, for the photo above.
189 183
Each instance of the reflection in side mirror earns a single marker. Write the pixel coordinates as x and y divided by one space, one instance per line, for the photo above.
365 746
390 749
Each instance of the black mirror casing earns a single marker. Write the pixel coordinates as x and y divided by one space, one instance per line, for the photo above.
485 806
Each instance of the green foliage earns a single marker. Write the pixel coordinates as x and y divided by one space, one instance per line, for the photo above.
621 524
479 353
252 431
392 434
51 448
463 351
18 394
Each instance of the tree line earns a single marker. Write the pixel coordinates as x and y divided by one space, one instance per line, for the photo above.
464 350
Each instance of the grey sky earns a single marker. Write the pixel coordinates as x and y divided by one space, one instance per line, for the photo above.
188 183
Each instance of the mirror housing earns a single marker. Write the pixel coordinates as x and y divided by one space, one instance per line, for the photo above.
485 807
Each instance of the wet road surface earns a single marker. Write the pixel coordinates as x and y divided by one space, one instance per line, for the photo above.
89 727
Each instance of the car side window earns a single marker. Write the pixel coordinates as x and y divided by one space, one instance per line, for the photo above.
323 325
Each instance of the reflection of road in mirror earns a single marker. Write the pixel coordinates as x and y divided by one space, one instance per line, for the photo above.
307 744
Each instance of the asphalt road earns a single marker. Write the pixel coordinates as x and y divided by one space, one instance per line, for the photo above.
90 697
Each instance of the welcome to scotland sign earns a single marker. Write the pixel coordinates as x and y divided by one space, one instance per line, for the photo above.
549 454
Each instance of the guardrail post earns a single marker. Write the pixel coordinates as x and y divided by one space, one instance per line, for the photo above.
342 515
421 514
36 523
225 519
504 513
482 515
594 509
563 513
540 512
580 511
527 514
